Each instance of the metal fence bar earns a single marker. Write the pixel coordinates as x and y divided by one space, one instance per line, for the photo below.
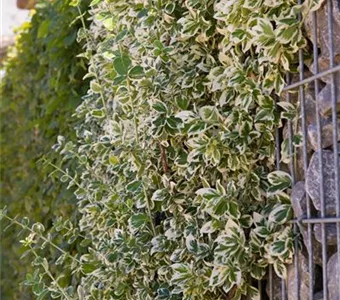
319 142
260 288
318 220
305 165
290 140
309 220
311 78
292 172
278 158
335 128
271 285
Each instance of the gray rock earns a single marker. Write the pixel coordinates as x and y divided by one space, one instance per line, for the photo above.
323 65
299 166
277 288
290 287
294 94
319 296
313 181
299 205
310 107
317 248
324 100
327 131
325 122
322 34
330 230
333 271
298 197
304 279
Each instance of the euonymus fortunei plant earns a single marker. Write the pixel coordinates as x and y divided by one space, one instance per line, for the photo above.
177 191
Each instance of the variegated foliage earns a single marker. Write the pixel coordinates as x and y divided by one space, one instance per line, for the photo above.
178 192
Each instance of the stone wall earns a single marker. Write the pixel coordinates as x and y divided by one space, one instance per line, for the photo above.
309 182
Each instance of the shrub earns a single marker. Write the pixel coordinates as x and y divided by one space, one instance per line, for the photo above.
40 91
175 183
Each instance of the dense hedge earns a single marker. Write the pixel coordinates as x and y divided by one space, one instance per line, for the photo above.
175 181
40 91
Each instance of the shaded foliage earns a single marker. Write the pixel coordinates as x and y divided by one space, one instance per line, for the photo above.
42 87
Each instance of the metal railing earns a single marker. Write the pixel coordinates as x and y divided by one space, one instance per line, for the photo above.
310 219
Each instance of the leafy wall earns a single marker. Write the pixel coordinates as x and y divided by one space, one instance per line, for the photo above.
176 182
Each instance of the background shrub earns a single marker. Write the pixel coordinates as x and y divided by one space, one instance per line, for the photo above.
40 91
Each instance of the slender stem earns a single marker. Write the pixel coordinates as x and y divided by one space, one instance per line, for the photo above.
134 111
163 158
51 276
149 211
66 174
41 237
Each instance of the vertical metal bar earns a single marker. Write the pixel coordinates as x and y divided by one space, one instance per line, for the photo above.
271 286
278 158
296 265
259 285
305 166
277 149
335 128
293 174
290 139
322 194
319 142
283 290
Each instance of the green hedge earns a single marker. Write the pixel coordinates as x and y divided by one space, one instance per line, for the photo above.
40 91
175 180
